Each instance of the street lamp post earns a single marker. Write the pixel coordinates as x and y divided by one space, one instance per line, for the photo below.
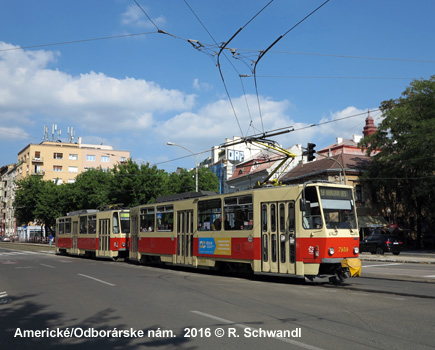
196 162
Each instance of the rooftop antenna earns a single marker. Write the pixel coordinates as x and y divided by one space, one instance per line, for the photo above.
45 137
53 130
71 134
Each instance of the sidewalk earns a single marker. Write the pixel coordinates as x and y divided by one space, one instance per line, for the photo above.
417 257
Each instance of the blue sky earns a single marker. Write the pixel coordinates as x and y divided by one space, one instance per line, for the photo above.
138 92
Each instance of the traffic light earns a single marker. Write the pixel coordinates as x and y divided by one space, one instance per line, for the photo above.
311 151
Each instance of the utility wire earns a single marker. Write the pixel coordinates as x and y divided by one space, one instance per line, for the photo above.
76 41
221 47
262 53
146 14
328 77
226 44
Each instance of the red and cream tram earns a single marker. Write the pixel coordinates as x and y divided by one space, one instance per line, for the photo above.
94 233
305 230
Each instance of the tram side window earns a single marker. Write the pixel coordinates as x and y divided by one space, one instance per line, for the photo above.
61 226
68 226
210 215
147 220
238 213
311 216
115 222
92 222
291 215
165 218
264 217
83 224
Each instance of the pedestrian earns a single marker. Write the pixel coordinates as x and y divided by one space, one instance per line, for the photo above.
50 238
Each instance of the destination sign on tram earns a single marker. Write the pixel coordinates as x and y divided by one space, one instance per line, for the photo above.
335 193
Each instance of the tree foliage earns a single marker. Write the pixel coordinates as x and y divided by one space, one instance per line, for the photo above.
37 201
128 183
403 173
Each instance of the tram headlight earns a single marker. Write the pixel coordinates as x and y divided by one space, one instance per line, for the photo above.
355 250
331 251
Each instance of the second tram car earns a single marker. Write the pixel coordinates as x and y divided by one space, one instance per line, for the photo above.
94 233
305 230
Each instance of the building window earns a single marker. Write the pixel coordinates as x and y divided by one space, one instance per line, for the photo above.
90 158
358 193
122 159
73 157
105 159
58 156
73 169
37 155
57 167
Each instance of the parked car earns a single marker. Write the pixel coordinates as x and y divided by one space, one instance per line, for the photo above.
5 239
379 243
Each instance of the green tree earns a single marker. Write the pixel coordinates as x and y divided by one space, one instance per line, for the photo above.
91 190
37 201
185 181
404 171
135 184
208 180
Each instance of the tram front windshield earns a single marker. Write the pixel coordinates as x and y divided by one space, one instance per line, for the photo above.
338 207
125 222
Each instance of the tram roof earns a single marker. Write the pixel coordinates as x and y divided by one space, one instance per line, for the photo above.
185 195
82 211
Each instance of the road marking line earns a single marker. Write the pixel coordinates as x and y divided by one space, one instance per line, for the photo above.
240 325
430 276
3 294
48 266
382 265
96 279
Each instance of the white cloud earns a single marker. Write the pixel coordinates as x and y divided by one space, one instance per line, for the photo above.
216 121
135 17
201 86
213 123
141 113
12 133
92 100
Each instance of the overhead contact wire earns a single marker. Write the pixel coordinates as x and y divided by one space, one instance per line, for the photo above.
262 53
219 65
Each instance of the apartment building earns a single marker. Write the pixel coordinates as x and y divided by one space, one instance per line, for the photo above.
7 197
62 162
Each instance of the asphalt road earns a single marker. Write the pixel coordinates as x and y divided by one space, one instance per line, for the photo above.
107 304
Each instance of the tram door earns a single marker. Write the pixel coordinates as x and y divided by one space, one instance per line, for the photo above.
75 231
133 237
104 237
278 239
185 237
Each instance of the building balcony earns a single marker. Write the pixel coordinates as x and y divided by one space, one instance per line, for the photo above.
38 160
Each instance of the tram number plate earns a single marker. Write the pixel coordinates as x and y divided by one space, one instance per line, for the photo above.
343 249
